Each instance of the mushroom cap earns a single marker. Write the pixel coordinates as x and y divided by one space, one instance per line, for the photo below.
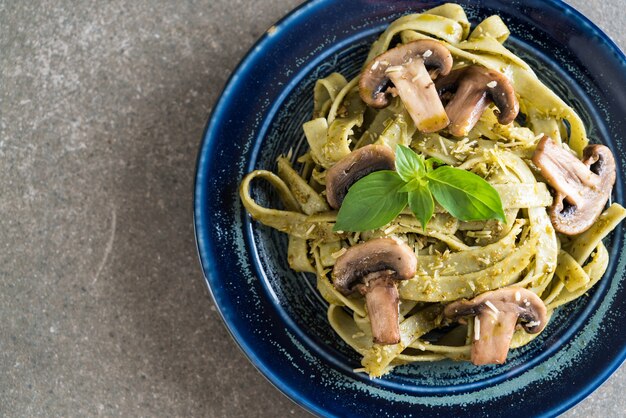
386 256
582 187
374 78
354 166
528 306
475 87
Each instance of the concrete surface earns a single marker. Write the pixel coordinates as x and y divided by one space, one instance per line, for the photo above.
103 310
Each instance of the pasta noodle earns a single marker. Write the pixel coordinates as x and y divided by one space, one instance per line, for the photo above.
455 259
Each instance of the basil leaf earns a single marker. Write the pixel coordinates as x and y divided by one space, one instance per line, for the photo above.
412 185
409 165
422 204
371 202
465 195
430 163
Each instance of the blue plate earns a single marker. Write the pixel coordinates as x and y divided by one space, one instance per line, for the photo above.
276 315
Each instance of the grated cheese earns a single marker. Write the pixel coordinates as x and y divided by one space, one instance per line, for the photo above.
492 307
443 146
339 253
397 239
485 233
476 328
393 69
450 269
390 229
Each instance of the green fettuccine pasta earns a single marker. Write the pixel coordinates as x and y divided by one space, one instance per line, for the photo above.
456 259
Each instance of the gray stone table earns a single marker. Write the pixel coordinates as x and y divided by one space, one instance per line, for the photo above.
103 308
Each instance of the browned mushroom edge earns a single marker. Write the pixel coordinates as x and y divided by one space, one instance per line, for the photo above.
582 187
496 315
373 268
473 89
411 68
354 166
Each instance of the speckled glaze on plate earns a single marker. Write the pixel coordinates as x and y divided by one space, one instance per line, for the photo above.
276 315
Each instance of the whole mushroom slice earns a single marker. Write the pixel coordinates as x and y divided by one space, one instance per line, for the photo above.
353 167
473 89
373 268
582 187
411 68
497 313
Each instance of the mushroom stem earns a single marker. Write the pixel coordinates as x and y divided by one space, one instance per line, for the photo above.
476 88
410 68
419 95
497 313
466 108
491 343
383 301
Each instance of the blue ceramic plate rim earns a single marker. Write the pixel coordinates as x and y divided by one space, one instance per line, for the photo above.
201 218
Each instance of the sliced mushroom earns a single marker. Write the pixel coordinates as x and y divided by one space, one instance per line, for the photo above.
582 187
353 167
373 268
411 68
497 313
473 89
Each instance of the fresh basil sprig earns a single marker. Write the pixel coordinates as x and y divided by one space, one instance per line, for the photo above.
376 199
